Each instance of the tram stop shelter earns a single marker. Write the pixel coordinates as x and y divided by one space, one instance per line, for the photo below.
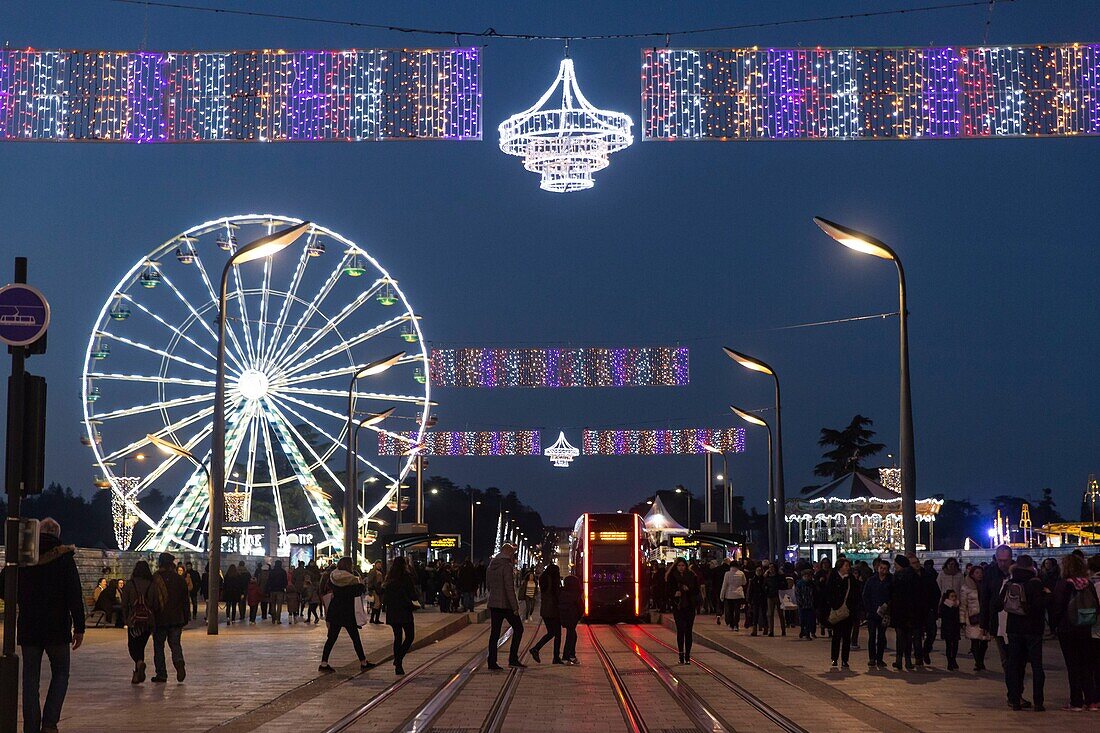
424 546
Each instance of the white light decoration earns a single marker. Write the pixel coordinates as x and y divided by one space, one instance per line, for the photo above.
561 454
123 503
565 142
890 478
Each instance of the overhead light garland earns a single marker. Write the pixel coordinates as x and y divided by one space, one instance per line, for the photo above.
662 442
581 367
567 140
464 443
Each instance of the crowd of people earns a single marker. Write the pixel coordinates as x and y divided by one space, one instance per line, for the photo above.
1010 602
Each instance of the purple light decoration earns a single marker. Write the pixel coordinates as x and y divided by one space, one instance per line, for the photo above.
143 97
468 443
582 367
871 93
688 441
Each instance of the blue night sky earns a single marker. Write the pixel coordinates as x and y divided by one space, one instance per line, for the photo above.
695 244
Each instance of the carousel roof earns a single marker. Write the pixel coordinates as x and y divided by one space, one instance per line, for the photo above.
659 520
853 486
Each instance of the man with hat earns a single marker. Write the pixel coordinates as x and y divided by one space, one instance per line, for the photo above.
171 619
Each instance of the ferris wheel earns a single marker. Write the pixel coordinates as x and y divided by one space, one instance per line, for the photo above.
299 325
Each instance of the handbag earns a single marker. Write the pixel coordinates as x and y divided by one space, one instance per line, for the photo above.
837 615
362 616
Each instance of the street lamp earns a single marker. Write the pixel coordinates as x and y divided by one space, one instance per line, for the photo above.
867 244
213 556
754 420
681 490
351 500
779 497
257 249
723 477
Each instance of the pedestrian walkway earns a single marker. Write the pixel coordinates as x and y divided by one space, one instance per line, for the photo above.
242 670
932 700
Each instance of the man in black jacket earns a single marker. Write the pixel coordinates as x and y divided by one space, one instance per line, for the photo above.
51 617
1024 628
170 619
906 608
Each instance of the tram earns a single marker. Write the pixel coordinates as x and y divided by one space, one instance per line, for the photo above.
607 553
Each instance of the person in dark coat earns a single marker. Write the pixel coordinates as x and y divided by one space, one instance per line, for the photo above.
467 584
950 627
683 590
400 599
196 587
109 603
275 588
821 582
346 588
569 611
232 590
1025 632
148 593
550 591
172 616
51 619
757 595
774 581
843 599
876 594
1073 638
931 594
906 610
992 581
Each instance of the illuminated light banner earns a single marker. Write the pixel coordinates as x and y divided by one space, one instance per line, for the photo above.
470 443
870 93
662 442
248 96
583 367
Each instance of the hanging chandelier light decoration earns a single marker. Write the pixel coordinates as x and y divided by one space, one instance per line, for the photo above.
568 139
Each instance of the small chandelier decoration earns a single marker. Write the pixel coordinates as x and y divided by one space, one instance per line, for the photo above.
565 142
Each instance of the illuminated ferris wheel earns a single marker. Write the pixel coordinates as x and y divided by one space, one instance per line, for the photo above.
299 325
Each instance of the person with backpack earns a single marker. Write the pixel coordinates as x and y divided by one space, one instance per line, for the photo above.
550 588
1023 602
141 598
1073 609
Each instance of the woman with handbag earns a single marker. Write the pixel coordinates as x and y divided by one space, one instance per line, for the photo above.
842 600
683 589
969 614
400 599
345 587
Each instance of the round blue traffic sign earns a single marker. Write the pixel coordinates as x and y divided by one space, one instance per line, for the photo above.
24 314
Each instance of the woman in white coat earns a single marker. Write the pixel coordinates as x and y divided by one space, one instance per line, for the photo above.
969 613
950 577
733 595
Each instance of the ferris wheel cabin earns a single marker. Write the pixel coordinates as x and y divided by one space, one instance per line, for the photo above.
606 553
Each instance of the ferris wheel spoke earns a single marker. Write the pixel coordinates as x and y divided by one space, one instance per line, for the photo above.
285 406
320 391
200 320
246 327
333 323
179 333
158 352
240 356
345 345
345 371
312 307
253 436
171 460
269 451
261 324
290 296
166 430
154 379
153 406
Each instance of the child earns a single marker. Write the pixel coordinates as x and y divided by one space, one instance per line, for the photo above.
254 594
804 597
950 627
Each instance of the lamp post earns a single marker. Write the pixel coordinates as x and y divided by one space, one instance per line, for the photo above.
779 495
867 244
681 490
351 500
473 503
724 478
753 419
258 249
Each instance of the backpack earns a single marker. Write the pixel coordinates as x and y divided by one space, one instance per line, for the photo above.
1014 599
141 616
1081 610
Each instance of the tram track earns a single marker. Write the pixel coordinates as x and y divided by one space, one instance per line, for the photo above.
634 721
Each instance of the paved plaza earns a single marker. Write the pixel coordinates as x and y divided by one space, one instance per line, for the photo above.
264 678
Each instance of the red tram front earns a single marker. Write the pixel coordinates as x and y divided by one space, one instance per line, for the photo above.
606 554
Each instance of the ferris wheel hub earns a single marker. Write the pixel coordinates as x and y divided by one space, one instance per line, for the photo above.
253 384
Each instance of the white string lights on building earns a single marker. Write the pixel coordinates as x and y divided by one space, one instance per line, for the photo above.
890 478
567 140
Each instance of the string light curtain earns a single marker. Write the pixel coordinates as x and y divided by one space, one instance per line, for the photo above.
470 443
581 367
247 96
662 442
870 93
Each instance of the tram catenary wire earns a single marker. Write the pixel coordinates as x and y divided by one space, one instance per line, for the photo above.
782 721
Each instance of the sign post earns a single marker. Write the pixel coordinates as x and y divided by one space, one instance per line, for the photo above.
24 317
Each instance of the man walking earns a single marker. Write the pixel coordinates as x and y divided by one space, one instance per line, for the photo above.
876 600
170 619
906 611
196 586
1024 602
503 604
276 591
51 617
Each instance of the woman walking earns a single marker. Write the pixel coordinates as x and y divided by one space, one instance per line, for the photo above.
231 594
550 588
399 596
842 599
569 611
969 615
346 589
732 595
142 597
530 590
683 589
758 600
1073 615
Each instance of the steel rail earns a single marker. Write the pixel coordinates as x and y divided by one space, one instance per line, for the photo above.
634 721
494 720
